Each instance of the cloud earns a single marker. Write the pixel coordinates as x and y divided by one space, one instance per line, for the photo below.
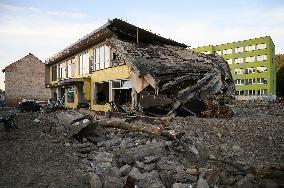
231 25
26 30
72 14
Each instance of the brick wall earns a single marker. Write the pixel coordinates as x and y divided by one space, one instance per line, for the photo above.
25 79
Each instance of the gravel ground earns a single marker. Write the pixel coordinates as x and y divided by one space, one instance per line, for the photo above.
244 151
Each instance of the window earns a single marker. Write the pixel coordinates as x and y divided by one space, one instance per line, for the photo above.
230 61
250 70
70 94
239 60
121 84
54 72
227 51
262 92
239 81
261 46
261 58
250 59
62 70
219 52
239 50
261 69
250 81
250 48
84 63
251 92
239 71
261 80
70 71
207 52
101 57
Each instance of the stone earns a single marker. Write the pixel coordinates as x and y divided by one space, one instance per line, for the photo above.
151 159
183 177
101 168
194 150
102 156
165 164
236 148
96 182
113 182
267 183
138 153
166 177
228 180
158 184
181 185
149 167
139 164
144 179
202 183
114 172
212 157
192 171
124 170
246 182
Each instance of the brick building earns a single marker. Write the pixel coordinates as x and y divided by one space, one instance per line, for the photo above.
25 79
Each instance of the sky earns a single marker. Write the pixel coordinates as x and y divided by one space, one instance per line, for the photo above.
47 26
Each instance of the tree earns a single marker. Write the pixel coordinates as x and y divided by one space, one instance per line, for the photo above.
280 74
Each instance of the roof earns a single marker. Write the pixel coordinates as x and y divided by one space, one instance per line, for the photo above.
174 71
30 55
116 27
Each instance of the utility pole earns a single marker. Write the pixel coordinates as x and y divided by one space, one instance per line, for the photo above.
137 35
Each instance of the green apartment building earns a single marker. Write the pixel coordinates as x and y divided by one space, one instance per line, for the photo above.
252 63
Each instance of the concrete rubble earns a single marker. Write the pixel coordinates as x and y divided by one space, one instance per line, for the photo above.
243 151
172 79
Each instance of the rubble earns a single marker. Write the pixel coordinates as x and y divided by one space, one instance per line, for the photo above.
172 79
207 152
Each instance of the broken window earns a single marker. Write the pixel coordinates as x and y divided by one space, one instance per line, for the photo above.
70 94
101 93
54 73
121 90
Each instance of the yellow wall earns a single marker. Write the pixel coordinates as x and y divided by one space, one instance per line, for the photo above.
87 89
113 73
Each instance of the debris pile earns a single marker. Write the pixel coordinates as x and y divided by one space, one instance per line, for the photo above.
243 151
171 79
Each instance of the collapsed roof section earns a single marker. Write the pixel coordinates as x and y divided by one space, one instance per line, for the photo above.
112 27
174 72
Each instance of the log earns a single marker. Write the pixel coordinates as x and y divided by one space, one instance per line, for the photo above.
137 126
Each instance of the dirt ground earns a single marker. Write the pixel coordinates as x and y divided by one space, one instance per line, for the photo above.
31 156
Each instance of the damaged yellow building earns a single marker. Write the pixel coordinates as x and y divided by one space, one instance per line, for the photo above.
133 67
